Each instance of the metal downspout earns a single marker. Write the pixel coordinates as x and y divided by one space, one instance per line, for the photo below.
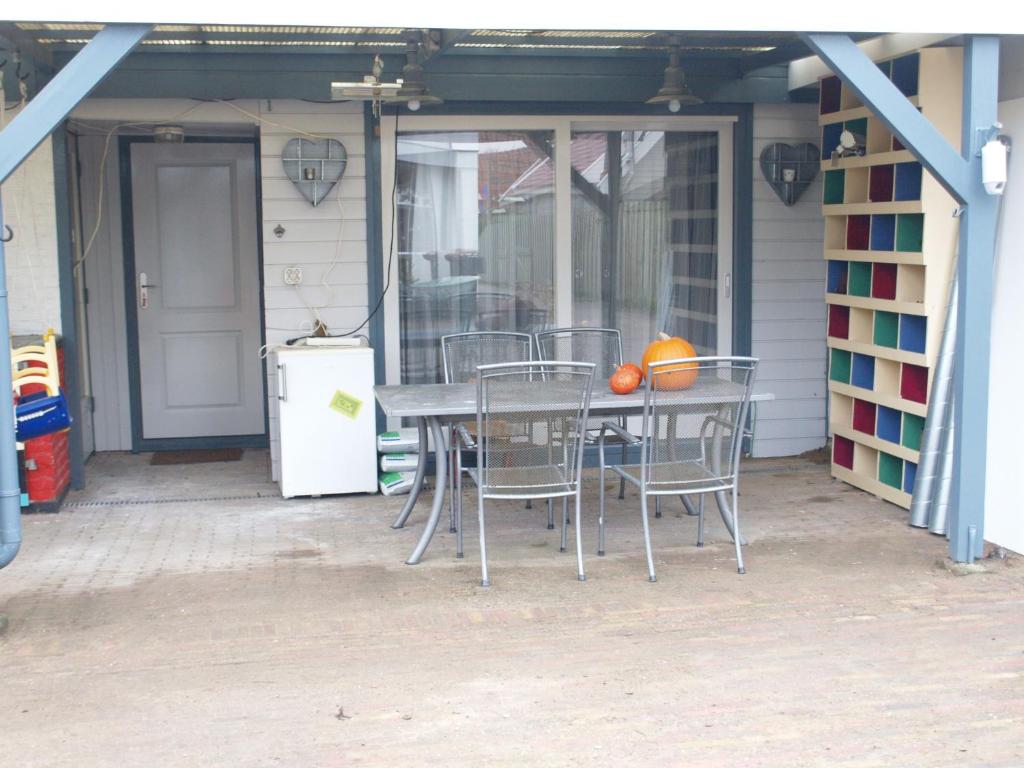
10 492
931 463
938 514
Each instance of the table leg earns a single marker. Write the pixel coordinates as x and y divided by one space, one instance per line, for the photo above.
421 469
441 461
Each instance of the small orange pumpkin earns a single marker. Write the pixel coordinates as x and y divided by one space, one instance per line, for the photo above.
625 380
667 347
634 367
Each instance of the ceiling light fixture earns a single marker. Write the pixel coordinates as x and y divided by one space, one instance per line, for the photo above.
674 92
414 90
370 89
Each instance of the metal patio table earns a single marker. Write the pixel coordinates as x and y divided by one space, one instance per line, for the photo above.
435 404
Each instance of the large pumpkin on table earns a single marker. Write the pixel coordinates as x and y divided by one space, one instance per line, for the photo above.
667 347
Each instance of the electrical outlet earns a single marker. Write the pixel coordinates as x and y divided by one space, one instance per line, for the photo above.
293 275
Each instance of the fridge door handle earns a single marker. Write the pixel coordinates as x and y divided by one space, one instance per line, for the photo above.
282 383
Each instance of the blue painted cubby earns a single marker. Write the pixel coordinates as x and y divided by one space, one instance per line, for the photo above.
888 424
905 73
883 232
909 475
863 374
830 139
838 272
908 181
913 333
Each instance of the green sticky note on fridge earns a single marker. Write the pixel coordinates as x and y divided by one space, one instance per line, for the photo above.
346 404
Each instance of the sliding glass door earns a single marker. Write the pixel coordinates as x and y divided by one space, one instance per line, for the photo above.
524 224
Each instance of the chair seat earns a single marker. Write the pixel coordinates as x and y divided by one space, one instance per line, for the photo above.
678 477
524 482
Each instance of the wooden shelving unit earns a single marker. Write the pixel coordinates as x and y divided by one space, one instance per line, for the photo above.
890 243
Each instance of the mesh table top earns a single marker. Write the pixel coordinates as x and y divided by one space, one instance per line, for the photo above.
459 400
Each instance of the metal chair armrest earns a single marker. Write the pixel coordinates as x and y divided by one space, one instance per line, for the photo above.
465 436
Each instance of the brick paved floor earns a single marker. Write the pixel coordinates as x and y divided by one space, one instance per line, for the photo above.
147 628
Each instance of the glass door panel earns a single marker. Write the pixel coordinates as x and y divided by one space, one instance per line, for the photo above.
645 235
476 238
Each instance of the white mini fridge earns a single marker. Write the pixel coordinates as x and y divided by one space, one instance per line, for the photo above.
327 420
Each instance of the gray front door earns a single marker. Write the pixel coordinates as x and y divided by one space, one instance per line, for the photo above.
196 287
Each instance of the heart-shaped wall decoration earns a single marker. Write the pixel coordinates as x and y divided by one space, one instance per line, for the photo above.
314 166
790 170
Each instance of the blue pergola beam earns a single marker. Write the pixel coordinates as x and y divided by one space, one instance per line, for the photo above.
974 270
901 117
63 93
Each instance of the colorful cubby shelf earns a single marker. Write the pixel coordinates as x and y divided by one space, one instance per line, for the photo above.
890 242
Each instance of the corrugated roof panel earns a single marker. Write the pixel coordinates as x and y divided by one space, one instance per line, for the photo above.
285 30
501 32
249 43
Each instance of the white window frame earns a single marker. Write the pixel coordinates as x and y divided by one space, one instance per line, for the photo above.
562 126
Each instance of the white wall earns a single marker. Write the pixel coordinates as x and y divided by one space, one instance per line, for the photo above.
309 240
30 210
311 235
1004 511
788 295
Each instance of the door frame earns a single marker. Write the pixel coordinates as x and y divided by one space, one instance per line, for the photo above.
140 443
562 124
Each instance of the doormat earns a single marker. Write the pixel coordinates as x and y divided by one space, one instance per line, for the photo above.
204 456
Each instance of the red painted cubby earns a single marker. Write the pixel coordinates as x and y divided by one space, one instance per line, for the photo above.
858 233
880 183
842 451
883 281
838 321
914 383
864 416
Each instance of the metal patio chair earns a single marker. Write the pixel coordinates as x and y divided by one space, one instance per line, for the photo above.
600 346
461 355
530 425
691 440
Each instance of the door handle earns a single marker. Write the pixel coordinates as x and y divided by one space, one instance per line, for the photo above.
282 383
144 287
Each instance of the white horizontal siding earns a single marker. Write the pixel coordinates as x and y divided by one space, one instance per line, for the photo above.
788 296
30 211
327 241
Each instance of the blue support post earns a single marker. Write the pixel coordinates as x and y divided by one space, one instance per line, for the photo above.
32 125
961 176
974 312
10 491
901 117
63 93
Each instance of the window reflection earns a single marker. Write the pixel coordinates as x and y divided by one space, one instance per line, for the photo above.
475 227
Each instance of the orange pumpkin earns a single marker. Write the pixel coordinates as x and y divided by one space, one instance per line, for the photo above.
625 380
634 367
667 347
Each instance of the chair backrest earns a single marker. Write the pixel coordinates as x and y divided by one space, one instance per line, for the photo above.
600 346
463 353
530 424
695 410
37 364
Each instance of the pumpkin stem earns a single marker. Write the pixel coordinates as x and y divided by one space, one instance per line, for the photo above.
662 336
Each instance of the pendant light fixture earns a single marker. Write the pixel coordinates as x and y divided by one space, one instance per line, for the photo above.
414 89
674 91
